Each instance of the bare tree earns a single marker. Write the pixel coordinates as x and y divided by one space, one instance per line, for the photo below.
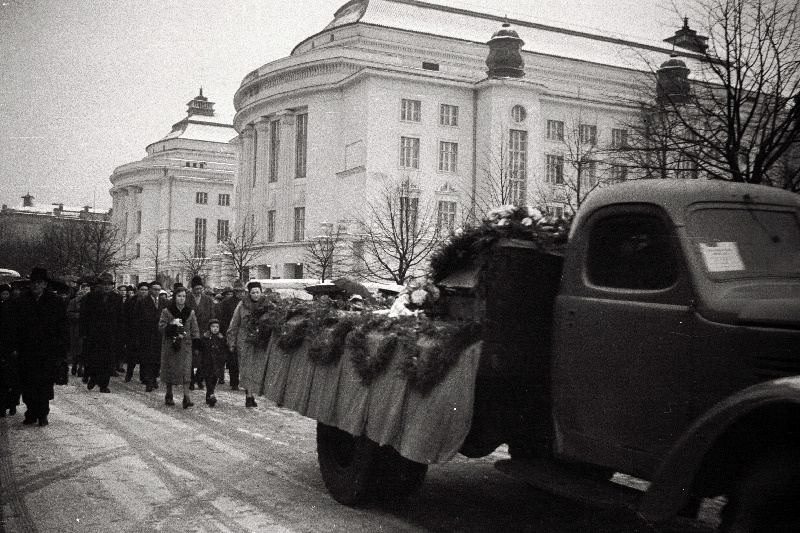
190 263
103 247
239 247
154 254
399 233
741 119
61 247
324 252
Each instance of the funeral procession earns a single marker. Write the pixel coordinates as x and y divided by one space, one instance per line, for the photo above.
400 266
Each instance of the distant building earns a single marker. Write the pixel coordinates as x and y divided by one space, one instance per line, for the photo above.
29 218
443 96
177 202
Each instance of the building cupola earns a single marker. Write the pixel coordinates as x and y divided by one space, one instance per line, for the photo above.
200 106
505 54
27 200
672 80
688 39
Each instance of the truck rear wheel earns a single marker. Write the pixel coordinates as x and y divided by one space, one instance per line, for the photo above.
399 478
349 465
765 496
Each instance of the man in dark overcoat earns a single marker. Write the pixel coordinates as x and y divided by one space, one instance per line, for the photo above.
226 309
203 307
100 325
145 317
130 333
40 338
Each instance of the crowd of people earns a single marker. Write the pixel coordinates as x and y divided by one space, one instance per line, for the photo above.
185 339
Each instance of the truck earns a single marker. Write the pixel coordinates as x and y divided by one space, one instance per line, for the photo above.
661 342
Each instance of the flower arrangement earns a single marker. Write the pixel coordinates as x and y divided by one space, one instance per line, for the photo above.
176 332
470 246
417 297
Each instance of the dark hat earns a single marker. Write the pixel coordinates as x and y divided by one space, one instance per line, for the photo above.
106 277
143 284
253 285
238 285
130 288
197 280
176 286
122 287
5 287
155 282
227 290
213 321
38 274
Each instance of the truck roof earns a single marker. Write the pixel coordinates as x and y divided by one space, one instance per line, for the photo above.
674 195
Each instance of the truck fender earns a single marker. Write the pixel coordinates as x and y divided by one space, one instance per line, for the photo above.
669 489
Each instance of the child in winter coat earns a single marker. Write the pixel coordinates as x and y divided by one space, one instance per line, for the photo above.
213 355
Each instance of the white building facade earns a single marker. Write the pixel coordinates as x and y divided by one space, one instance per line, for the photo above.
397 89
175 205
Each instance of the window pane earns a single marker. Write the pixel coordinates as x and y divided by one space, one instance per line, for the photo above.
299 223
410 110
448 156
274 149
518 165
409 152
301 148
631 252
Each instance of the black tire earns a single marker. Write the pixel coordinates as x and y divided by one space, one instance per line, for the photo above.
398 478
766 495
349 465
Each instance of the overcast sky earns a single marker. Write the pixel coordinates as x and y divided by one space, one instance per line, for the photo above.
85 85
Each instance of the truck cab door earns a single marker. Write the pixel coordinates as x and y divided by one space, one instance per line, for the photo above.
622 371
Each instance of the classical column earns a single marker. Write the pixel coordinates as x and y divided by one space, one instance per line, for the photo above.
247 169
261 162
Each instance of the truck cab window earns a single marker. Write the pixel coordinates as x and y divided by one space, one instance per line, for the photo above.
631 252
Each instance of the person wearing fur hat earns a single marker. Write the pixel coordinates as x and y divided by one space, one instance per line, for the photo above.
203 307
240 340
100 325
225 312
178 327
130 335
40 340
213 355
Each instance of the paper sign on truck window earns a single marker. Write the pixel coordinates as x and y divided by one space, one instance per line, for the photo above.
722 257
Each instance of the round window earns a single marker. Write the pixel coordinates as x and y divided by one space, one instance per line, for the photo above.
518 113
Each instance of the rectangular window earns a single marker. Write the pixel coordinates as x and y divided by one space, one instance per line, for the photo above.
138 250
448 115
409 152
201 198
446 219
555 130
255 156
409 210
301 146
448 156
222 230
589 174
274 149
199 237
224 200
555 169
518 165
271 217
411 110
619 172
588 135
619 138
299 223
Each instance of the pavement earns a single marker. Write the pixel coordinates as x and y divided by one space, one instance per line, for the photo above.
126 462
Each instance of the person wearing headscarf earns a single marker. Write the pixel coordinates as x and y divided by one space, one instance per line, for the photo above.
180 339
40 339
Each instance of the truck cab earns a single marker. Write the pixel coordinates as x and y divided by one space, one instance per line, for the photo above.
676 296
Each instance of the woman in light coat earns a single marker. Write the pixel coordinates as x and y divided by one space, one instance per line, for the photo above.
240 339
180 334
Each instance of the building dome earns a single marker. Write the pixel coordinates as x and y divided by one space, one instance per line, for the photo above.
673 81
505 56
672 62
